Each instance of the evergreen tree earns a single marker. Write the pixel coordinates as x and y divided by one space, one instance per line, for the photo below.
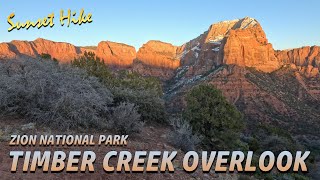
213 117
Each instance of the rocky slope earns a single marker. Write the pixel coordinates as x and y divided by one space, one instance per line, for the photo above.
285 102
301 56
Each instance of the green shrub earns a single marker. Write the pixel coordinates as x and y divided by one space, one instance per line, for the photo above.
254 144
45 56
210 115
94 66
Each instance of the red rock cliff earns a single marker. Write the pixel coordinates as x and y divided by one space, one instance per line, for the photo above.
301 56
116 53
305 59
248 46
64 52
159 54
113 53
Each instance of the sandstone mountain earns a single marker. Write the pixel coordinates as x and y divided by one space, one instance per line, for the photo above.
277 89
116 54
240 42
17 49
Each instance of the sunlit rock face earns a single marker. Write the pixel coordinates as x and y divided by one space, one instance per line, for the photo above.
159 54
305 59
240 42
63 52
116 54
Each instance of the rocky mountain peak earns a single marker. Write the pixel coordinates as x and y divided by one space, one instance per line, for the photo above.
247 22
221 29
116 54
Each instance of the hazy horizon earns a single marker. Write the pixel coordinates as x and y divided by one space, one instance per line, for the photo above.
287 25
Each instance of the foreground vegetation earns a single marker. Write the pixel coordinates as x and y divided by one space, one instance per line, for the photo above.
64 97
126 86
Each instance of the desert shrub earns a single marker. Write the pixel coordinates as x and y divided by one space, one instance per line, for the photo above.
126 119
277 144
150 106
135 81
271 137
253 144
145 92
182 135
45 56
53 95
211 116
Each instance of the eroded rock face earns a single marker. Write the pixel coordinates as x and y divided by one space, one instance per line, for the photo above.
306 59
7 51
301 56
249 47
159 54
116 54
205 52
64 52
113 53
240 42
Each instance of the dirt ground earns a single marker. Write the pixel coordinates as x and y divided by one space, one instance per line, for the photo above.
151 138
